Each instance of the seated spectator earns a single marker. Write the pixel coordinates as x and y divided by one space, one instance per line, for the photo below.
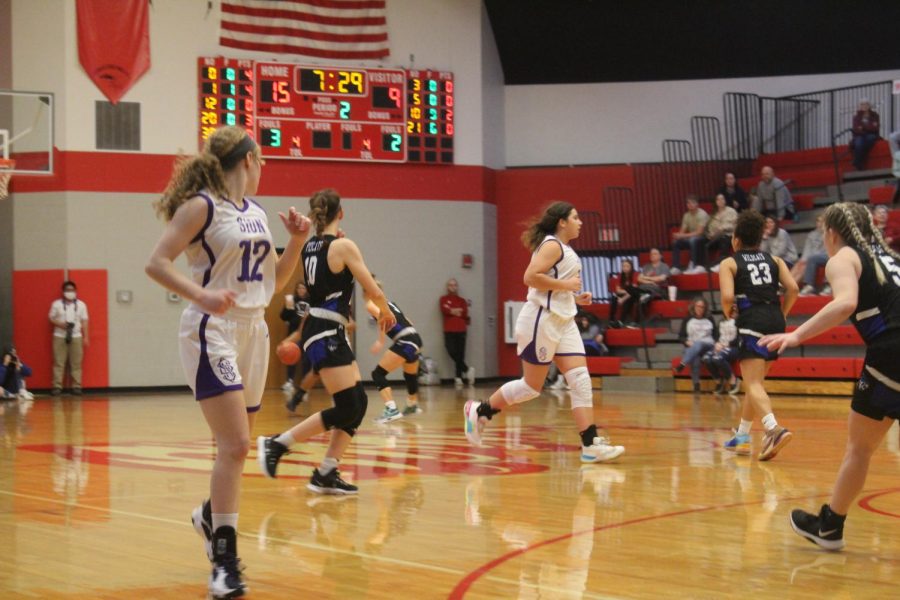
894 143
866 128
690 236
773 196
627 293
592 335
718 361
653 277
12 375
698 334
719 230
813 257
889 232
735 197
777 242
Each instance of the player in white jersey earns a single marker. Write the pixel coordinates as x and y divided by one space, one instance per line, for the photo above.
223 341
546 332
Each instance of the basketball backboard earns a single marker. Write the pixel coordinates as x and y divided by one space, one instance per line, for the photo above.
26 131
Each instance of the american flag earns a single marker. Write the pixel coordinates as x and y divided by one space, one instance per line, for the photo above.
345 29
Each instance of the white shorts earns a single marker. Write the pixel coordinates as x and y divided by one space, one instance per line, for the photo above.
221 354
541 335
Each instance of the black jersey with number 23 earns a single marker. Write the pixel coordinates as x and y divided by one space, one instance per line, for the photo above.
756 292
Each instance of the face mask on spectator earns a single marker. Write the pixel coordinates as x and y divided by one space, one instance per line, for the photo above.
69 294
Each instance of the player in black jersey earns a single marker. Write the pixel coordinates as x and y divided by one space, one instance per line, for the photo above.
749 284
864 274
330 264
404 351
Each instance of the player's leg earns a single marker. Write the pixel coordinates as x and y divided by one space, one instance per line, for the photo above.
390 361
411 377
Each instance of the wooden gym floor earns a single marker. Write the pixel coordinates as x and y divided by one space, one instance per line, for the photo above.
95 498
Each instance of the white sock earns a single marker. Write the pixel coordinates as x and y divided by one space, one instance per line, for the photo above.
328 465
391 405
224 520
769 422
744 427
286 439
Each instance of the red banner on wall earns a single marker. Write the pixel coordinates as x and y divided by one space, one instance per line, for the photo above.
114 43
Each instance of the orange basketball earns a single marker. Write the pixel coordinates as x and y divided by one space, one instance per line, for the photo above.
288 353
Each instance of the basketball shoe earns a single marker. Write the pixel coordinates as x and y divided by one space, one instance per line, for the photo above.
201 518
600 451
474 423
411 409
739 444
268 453
388 415
295 400
225 579
825 529
774 441
330 483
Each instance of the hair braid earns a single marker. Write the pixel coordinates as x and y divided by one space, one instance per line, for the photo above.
853 222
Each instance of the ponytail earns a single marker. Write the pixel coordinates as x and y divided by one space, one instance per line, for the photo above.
546 224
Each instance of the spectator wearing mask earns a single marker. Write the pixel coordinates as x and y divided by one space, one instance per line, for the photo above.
866 128
69 316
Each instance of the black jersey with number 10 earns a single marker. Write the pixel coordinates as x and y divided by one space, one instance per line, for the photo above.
331 291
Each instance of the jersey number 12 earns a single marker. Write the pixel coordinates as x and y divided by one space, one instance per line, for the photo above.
260 249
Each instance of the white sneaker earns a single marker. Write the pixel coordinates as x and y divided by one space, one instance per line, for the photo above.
696 270
288 386
826 291
25 395
675 271
808 290
458 382
560 383
715 268
600 451
470 376
473 424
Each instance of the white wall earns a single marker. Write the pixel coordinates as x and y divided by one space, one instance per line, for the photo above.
627 122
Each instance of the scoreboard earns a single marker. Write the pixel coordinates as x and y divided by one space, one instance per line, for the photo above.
309 112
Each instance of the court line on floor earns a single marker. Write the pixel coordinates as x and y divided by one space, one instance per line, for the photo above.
463 586
866 503
182 523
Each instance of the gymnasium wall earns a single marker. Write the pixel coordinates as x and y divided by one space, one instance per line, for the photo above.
583 124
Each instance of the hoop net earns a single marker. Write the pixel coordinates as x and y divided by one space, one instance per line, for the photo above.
6 167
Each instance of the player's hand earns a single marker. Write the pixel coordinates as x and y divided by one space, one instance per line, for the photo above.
296 224
572 284
584 298
386 320
217 302
780 341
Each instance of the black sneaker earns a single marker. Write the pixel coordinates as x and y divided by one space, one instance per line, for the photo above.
201 518
298 397
268 453
825 529
330 483
225 578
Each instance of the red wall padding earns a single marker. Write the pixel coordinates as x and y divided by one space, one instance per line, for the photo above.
33 292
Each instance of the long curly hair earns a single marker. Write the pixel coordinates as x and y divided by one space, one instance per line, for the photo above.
545 224
203 171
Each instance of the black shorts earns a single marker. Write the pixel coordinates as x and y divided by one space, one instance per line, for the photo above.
753 324
325 344
874 399
408 346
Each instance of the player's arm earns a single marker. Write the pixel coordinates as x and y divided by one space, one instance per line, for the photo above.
298 226
842 271
727 270
184 227
348 253
791 290
541 262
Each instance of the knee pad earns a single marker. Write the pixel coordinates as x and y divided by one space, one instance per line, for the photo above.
412 383
580 388
360 405
343 413
516 392
379 376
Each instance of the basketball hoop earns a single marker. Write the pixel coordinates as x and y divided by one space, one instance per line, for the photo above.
6 167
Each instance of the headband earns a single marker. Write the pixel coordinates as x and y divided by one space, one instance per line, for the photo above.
230 160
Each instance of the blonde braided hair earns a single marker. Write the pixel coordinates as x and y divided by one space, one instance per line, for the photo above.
853 222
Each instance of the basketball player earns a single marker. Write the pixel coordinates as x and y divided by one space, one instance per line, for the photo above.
404 351
224 342
330 264
864 274
546 332
749 284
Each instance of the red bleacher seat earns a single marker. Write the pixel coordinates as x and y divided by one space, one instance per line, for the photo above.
695 283
782 162
882 194
598 309
800 368
644 257
631 337
804 201
668 309
843 335
606 365
809 305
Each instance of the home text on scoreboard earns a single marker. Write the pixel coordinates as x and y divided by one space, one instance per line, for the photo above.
312 112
